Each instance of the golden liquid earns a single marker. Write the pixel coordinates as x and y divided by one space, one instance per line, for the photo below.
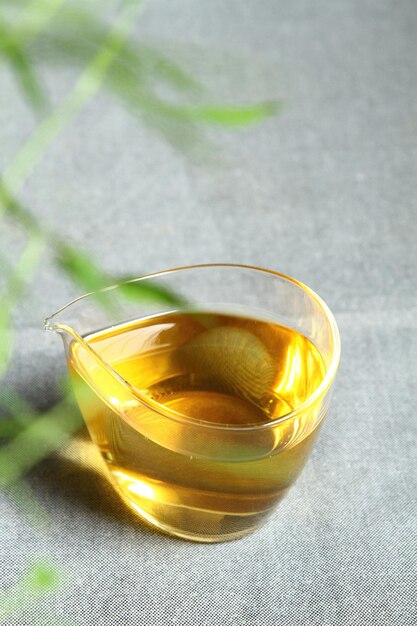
183 442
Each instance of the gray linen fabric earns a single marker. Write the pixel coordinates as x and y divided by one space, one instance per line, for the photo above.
324 192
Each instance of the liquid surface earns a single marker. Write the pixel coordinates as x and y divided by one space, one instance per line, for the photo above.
190 458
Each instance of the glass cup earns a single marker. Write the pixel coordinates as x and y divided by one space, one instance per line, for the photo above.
204 393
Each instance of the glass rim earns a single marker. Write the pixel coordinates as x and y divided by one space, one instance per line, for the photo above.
320 390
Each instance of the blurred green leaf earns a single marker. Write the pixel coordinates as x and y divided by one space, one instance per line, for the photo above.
151 290
13 46
128 69
9 427
16 282
6 335
219 114
15 209
20 62
13 403
159 66
74 42
132 78
36 441
129 78
80 267
76 34
78 264
15 412
135 77
34 19
42 577
24 268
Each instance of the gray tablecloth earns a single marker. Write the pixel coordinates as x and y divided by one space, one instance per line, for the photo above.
324 192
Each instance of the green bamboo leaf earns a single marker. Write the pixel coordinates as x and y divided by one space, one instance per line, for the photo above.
145 103
136 97
133 73
220 115
77 33
150 290
9 428
75 45
80 267
160 66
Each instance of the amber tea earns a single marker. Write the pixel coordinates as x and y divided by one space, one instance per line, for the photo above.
192 427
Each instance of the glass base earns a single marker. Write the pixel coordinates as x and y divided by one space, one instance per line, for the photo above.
200 525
